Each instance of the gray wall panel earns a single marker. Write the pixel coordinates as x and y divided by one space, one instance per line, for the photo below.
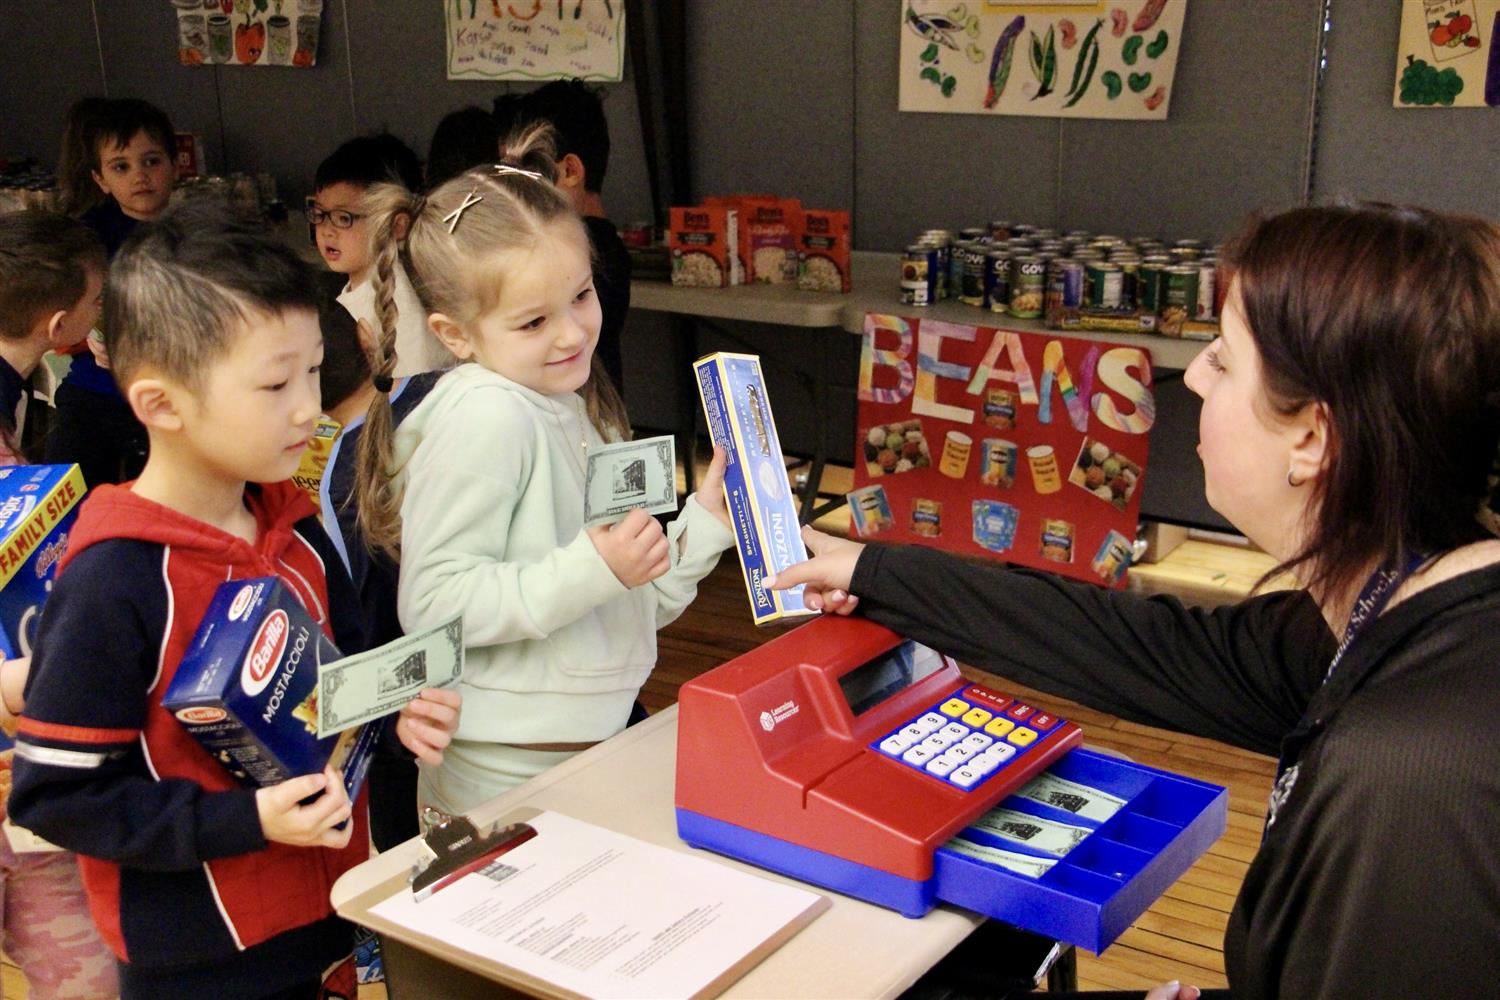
1236 138
1441 158
923 171
48 59
770 97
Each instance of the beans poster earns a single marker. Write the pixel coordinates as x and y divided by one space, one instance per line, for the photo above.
248 32
1447 55
1062 58
1025 447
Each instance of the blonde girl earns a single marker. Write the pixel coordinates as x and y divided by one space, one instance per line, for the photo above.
480 489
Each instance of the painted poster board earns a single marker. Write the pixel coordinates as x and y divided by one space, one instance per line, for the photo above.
1068 59
1025 447
248 32
535 39
1447 56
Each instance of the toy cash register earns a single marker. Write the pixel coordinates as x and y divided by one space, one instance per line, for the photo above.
843 755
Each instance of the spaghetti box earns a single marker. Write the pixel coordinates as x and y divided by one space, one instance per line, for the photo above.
38 504
247 687
761 503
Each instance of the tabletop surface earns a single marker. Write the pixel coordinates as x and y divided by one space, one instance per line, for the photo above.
855 949
876 288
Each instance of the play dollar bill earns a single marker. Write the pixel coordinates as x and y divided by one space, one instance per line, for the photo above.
1070 796
1023 863
369 685
630 474
1045 835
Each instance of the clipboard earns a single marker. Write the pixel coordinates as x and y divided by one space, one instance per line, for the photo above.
422 964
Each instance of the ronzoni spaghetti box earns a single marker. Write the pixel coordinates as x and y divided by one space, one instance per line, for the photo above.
761 503
38 504
246 689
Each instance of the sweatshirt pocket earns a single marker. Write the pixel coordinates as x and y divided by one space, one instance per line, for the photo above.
615 645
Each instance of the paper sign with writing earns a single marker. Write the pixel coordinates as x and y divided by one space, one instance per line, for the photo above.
535 39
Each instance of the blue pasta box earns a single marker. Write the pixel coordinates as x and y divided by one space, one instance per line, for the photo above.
761 504
38 504
247 687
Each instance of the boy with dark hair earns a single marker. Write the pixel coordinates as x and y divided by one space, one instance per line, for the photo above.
576 112
336 213
129 144
464 138
51 289
201 887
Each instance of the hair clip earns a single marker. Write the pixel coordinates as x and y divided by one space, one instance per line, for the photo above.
452 217
505 168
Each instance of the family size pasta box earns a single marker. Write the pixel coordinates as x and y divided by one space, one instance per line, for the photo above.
246 689
703 245
760 500
38 504
823 248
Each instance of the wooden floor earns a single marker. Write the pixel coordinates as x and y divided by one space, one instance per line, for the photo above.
1180 937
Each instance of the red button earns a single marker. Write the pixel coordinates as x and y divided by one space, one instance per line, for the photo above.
1043 721
1019 711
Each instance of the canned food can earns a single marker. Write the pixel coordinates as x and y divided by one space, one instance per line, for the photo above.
998 464
1022 229
918 265
976 260
1104 283
1027 275
1064 289
926 517
973 233
1057 540
997 281
1184 254
941 241
1045 233
1147 281
1130 282
1189 245
1000 410
1000 229
1177 297
1207 274
994 524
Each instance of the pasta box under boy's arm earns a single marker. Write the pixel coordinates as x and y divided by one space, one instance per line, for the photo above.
82 779
38 504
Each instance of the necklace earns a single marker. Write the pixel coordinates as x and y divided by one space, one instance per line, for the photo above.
578 457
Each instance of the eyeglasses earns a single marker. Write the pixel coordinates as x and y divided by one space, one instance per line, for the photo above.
339 218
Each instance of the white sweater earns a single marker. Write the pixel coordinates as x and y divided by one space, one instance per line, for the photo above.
417 348
556 646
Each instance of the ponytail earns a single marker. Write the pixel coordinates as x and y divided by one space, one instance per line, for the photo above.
377 496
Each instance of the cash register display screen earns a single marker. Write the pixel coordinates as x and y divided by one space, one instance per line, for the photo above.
872 683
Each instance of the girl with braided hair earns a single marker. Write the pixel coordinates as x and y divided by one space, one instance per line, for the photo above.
480 490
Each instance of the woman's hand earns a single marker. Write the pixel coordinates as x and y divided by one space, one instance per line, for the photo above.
1172 991
710 491
427 722
826 574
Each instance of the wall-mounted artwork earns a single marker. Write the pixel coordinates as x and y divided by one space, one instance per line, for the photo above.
1066 58
535 39
248 32
1448 56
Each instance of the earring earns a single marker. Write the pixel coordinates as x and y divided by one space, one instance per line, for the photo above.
1291 481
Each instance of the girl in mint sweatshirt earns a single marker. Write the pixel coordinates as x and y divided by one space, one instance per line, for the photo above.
481 489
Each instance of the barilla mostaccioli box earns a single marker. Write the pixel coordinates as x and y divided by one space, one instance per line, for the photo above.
246 689
38 504
761 503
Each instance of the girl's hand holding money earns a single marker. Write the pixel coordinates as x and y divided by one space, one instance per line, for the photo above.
634 548
710 492
425 726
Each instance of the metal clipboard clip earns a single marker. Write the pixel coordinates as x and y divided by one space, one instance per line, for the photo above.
456 847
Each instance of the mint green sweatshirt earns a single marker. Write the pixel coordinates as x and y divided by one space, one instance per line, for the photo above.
492 527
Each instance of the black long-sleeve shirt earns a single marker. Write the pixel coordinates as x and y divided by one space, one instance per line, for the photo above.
1379 876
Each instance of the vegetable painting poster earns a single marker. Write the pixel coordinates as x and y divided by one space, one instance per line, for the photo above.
1066 58
1025 447
536 39
1448 56
248 32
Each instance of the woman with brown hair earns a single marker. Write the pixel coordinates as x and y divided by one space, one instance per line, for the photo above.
1351 411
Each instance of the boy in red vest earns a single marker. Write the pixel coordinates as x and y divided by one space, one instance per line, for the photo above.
201 887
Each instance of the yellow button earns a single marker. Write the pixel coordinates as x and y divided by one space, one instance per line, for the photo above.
999 727
954 707
1022 737
977 716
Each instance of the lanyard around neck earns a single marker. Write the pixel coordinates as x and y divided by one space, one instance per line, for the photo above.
1373 598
